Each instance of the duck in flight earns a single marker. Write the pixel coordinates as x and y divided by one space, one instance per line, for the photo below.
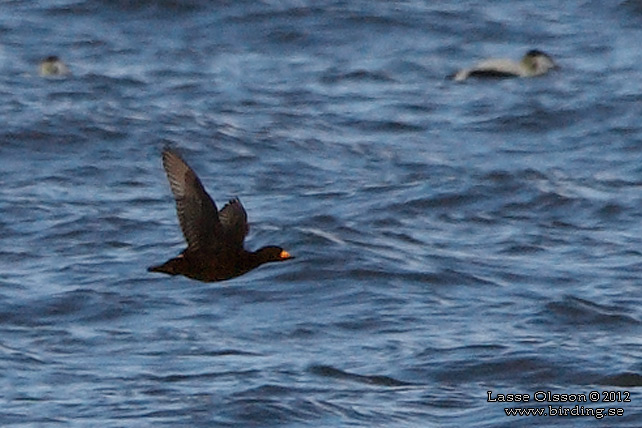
534 63
214 238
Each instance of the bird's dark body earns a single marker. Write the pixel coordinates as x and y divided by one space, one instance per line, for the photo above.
213 266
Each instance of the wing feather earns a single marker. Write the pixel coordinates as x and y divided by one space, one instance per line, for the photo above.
234 222
196 211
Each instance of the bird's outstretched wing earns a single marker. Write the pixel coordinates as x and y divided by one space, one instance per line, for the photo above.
234 222
197 212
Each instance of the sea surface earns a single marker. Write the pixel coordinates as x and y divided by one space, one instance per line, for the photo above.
451 239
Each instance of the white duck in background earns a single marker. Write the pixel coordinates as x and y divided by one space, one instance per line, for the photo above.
534 63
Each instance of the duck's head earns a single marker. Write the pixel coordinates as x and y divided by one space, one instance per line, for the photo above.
273 254
53 66
537 62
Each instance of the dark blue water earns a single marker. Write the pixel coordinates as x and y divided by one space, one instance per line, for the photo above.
451 239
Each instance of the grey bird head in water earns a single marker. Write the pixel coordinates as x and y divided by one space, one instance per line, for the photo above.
53 66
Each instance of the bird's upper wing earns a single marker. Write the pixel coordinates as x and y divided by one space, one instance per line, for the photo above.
197 212
234 222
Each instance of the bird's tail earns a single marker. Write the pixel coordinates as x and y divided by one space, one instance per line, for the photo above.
170 267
